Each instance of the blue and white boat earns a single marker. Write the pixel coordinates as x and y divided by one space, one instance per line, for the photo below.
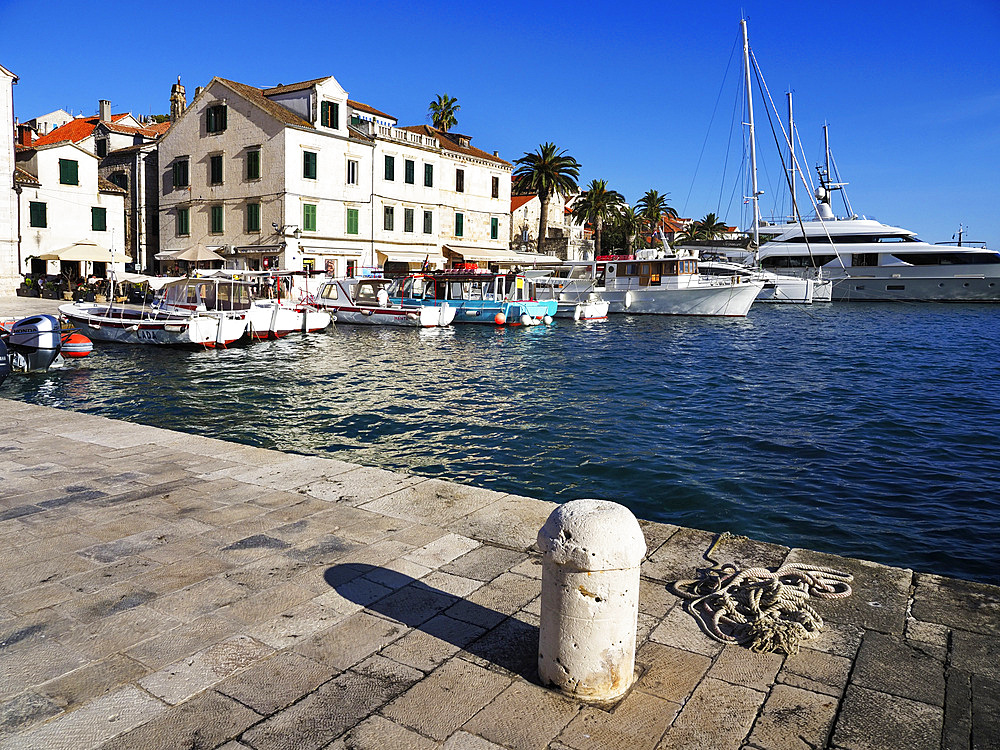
477 296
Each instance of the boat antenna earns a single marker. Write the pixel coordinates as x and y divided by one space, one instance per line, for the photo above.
753 144
791 151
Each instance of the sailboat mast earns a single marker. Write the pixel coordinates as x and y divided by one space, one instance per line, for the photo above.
791 151
753 142
826 149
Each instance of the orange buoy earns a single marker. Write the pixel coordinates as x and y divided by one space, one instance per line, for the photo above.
500 319
76 345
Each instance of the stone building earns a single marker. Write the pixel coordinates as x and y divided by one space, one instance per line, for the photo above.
62 200
9 275
300 176
45 124
565 238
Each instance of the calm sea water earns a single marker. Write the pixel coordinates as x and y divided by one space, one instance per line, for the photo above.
864 430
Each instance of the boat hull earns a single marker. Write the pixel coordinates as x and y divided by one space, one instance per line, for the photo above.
590 310
273 320
129 326
908 284
723 300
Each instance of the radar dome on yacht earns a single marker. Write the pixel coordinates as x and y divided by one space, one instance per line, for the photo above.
821 194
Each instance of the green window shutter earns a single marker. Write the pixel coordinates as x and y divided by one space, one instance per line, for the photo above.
69 172
388 219
407 219
253 165
309 165
99 219
409 169
352 221
180 169
37 214
335 115
215 118
459 225
308 217
428 175
324 114
215 169
428 222
390 168
217 220
494 228
183 222
253 217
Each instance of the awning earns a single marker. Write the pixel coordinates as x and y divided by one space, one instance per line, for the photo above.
198 253
155 282
167 254
269 249
85 250
411 256
485 253
347 252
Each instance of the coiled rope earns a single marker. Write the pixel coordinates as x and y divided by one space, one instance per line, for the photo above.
764 610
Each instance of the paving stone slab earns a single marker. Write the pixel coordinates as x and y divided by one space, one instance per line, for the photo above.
893 666
275 682
360 485
670 673
718 715
741 666
446 699
873 720
22 711
817 671
504 722
964 605
680 630
183 640
512 521
378 733
350 641
433 501
433 643
985 712
637 722
484 563
73 689
794 719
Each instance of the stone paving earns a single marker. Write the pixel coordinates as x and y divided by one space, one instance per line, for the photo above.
164 590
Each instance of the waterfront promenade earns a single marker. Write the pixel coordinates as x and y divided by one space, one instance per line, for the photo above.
165 590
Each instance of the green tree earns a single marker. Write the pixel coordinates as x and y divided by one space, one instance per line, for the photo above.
629 221
598 206
442 112
546 172
708 228
652 207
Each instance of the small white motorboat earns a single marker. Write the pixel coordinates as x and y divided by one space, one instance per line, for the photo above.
365 301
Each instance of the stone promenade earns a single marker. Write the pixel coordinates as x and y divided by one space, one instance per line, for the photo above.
163 590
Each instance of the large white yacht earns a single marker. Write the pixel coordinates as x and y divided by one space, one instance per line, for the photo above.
870 261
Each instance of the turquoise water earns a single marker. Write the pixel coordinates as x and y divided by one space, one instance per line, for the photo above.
868 430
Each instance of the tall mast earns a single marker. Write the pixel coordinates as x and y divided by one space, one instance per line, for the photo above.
753 142
826 150
791 151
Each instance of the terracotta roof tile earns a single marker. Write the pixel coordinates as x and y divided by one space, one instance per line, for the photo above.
106 186
75 130
449 141
290 87
24 177
370 110
256 96
516 201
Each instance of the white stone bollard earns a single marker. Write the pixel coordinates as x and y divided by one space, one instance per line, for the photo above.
590 598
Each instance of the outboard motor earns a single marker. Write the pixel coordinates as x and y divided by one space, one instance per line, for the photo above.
34 343
4 362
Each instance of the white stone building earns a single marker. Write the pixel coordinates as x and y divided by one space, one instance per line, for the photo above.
566 238
45 124
63 200
9 277
301 177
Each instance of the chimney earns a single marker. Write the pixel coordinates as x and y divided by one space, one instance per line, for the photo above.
198 90
496 154
24 135
105 110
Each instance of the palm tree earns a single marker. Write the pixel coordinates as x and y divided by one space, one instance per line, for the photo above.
704 229
652 207
442 112
545 173
598 205
629 221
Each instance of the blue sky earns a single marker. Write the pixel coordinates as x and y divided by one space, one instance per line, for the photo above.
911 90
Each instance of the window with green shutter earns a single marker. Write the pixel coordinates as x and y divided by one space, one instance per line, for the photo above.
494 228
308 217
253 164
428 175
390 167
428 222
352 221
69 172
37 214
388 219
217 220
309 165
253 217
99 219
459 224
180 170
459 180
407 219
330 115
215 118
409 169
183 222
215 169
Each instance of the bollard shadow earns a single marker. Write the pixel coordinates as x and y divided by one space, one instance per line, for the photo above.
493 636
